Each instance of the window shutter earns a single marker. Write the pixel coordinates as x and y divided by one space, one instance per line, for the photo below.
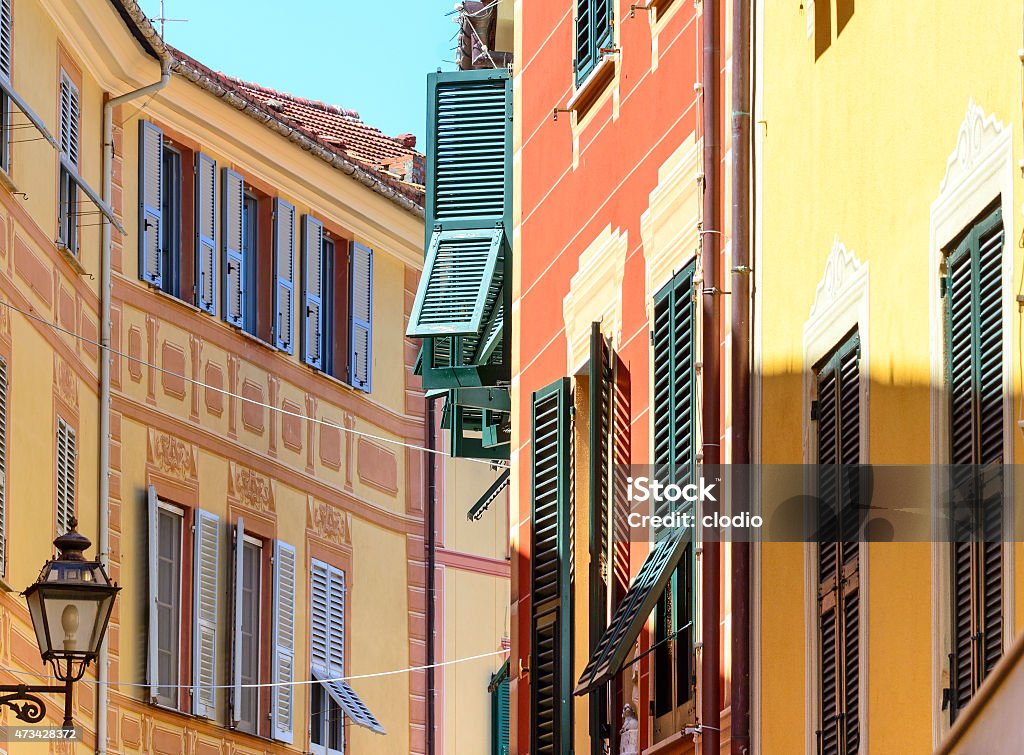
67 452
361 319
6 23
153 554
584 42
234 259
151 150
284 261
236 622
206 233
336 612
500 718
70 115
551 623
320 623
3 466
283 645
205 596
313 292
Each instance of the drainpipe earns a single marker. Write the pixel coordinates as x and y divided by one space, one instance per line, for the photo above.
711 241
431 546
104 461
740 383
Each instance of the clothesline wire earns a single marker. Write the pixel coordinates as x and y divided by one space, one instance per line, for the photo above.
225 392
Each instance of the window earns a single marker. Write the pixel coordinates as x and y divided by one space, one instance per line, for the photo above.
70 115
6 24
977 402
326 723
337 289
674 411
67 454
170 242
594 27
250 648
836 410
168 605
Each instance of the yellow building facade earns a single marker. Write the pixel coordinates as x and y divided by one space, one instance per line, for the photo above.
266 500
888 138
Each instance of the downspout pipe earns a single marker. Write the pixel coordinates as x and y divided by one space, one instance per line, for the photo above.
431 548
711 296
103 546
740 378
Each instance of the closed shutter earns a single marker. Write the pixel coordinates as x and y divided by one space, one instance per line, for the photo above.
361 317
206 233
320 622
67 453
336 613
313 292
153 575
233 186
70 118
205 596
284 263
6 24
237 572
551 564
584 34
151 150
282 697
3 466
974 375
837 412
500 714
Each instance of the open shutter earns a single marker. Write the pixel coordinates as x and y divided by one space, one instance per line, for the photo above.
282 695
550 583
152 573
206 233
151 151
205 596
313 292
500 717
284 263
236 621
70 118
584 36
233 186
336 612
67 452
320 623
361 318
6 23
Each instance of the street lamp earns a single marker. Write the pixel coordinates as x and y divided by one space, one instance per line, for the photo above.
70 604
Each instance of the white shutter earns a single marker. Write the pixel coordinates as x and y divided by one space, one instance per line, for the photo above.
319 623
153 557
204 614
236 619
206 233
67 452
336 611
6 22
313 291
361 317
3 466
151 158
283 643
70 114
233 187
284 264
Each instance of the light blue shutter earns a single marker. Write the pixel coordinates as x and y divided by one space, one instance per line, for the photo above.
236 624
206 233
313 291
152 572
234 260
361 319
284 263
283 643
151 151
204 614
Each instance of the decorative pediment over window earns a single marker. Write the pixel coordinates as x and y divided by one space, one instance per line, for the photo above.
977 140
842 268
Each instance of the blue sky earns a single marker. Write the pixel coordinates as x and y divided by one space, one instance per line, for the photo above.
366 55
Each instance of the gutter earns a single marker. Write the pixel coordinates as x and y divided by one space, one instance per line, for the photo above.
102 691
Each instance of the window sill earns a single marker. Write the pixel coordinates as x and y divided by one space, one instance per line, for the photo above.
336 380
71 258
171 297
6 586
8 183
591 88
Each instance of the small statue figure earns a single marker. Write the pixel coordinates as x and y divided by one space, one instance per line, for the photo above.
629 739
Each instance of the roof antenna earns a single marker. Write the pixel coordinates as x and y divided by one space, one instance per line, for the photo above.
162 18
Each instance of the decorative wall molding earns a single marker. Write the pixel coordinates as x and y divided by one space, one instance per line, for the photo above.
172 455
65 382
253 490
329 522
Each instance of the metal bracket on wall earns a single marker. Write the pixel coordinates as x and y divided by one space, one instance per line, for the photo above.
634 8
557 110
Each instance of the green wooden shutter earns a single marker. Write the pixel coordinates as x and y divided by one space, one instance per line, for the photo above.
550 578
974 375
500 715
282 667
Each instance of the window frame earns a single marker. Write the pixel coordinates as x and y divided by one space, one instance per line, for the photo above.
172 194
174 701
68 200
248 542
595 39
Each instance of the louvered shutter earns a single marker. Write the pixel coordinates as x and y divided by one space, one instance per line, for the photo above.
70 118
6 26
284 263
360 363
500 718
153 575
551 622
67 452
3 467
233 186
151 150
584 38
313 292
283 643
206 233
205 596
237 575
336 612
320 622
